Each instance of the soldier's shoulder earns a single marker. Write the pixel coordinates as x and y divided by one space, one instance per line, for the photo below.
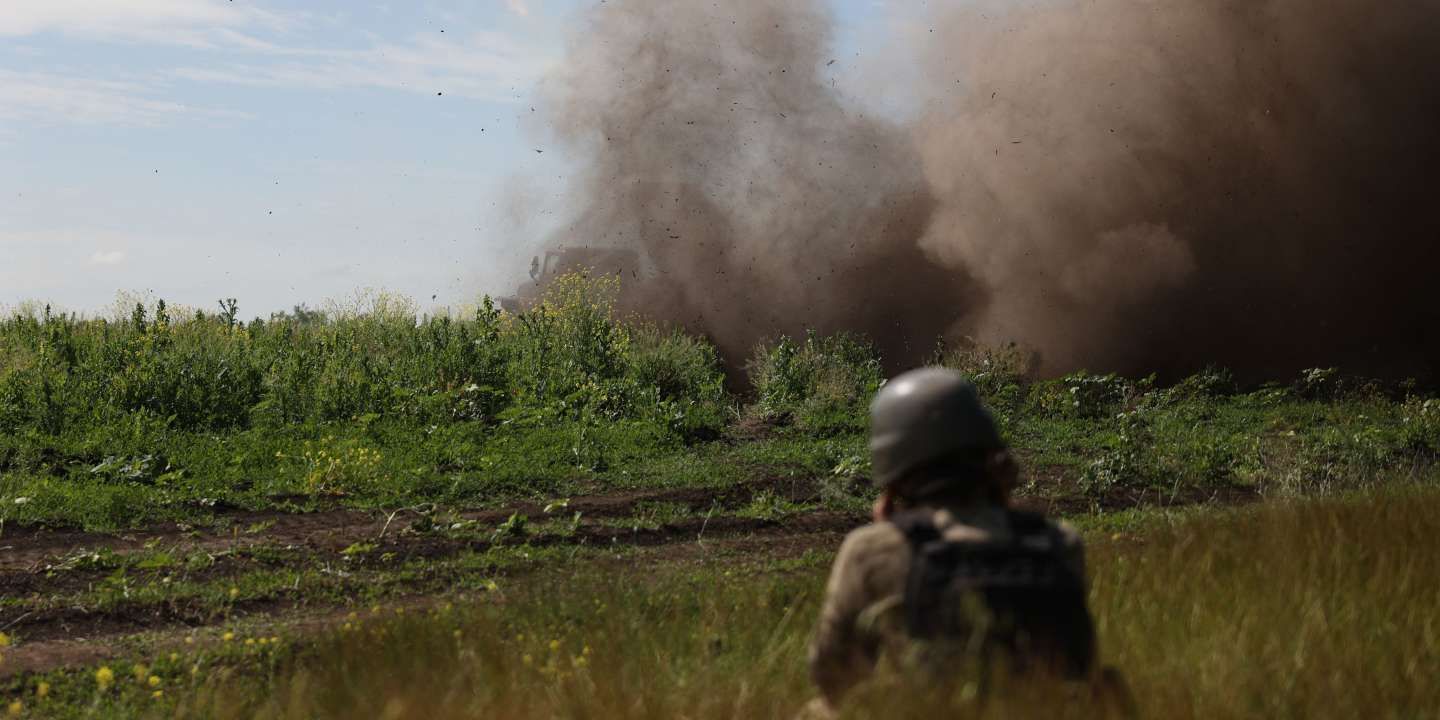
1067 532
873 537
1038 520
1072 545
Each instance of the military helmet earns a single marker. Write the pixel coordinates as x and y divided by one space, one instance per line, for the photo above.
922 416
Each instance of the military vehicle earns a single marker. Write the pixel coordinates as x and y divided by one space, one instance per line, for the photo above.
563 261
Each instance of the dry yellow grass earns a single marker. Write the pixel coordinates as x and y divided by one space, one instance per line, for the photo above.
1312 609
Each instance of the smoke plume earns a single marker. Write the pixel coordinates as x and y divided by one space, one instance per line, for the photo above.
1137 185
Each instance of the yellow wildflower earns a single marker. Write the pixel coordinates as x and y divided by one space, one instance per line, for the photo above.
104 677
141 672
4 640
174 657
158 694
234 593
274 639
249 641
228 636
15 709
154 681
42 690
554 646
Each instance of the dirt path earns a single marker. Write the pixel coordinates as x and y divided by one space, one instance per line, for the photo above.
32 549
50 597
78 636
39 567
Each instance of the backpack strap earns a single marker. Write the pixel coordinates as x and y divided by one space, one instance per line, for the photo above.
1058 611
1030 529
1024 523
918 527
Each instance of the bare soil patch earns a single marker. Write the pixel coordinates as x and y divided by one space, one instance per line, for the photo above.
58 635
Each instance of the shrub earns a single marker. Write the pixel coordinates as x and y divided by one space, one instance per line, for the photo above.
368 356
1126 461
1318 383
997 372
1083 395
1208 383
823 384
568 350
331 467
1420 423
676 379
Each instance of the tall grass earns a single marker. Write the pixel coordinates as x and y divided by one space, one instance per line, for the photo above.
374 356
108 422
823 383
1319 609
1307 609
155 413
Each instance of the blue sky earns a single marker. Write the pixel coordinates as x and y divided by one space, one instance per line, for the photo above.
275 151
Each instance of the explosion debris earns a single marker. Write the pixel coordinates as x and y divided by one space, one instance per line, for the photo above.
1121 185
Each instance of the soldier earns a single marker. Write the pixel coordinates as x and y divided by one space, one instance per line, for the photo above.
948 570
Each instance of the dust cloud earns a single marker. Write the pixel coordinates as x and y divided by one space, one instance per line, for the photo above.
1134 185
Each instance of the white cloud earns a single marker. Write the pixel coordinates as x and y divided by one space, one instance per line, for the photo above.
108 257
484 65
57 264
47 97
175 22
487 65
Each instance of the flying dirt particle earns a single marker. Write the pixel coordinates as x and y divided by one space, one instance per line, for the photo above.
1205 182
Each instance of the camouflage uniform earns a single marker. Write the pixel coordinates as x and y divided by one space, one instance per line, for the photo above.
865 592
924 425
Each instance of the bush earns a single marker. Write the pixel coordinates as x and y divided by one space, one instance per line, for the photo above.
998 372
1083 395
824 384
1126 461
679 377
1420 422
370 356
1211 382
568 350
1319 383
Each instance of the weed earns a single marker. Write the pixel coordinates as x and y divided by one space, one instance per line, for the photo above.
770 506
824 384
1315 609
166 415
653 515
515 527
1126 462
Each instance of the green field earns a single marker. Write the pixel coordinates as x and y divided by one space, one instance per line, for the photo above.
567 514
1319 608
